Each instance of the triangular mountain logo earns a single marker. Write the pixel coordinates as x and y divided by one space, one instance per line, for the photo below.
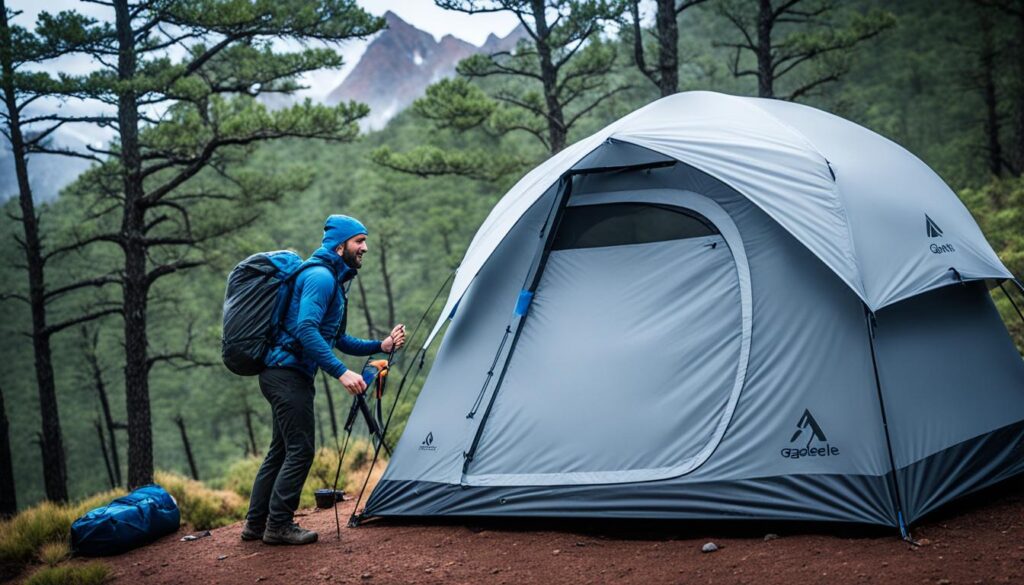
807 421
428 443
934 231
808 427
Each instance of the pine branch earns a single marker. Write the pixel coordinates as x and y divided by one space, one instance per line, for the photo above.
62 325
97 282
170 268
15 297
596 103
107 237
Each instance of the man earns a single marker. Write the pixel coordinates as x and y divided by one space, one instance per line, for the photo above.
314 322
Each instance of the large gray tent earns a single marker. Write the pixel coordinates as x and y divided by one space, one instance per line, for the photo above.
718 308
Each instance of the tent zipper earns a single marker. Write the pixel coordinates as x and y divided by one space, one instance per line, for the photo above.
549 241
490 374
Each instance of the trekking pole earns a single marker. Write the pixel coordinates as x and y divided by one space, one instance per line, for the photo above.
359 406
422 354
349 423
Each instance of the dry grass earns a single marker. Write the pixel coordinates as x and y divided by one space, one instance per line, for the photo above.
41 533
54 553
84 574
202 507
240 476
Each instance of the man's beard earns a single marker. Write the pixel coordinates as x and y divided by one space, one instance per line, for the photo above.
351 258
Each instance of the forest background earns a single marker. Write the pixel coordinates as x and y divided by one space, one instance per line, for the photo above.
943 78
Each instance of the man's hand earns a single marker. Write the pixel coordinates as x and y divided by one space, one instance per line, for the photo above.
352 382
395 340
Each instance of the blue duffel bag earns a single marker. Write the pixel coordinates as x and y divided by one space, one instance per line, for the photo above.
130 521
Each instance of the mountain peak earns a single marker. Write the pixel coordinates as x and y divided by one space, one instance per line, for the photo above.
496 44
392 18
399 64
451 42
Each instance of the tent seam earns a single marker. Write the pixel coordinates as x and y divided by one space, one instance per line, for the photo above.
840 200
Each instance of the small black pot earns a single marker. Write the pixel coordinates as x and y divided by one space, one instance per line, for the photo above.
326 498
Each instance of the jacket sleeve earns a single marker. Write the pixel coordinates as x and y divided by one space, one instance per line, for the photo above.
356 346
315 298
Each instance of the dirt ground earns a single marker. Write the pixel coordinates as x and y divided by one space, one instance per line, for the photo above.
976 541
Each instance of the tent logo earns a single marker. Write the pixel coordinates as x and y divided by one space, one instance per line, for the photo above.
934 231
808 427
428 443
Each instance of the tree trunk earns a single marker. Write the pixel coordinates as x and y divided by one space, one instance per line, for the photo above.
135 284
1018 169
8 498
549 80
92 357
330 405
249 430
320 426
668 47
372 331
383 245
188 447
765 75
446 243
54 467
103 450
987 59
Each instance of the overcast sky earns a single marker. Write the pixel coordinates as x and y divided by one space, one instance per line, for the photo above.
423 14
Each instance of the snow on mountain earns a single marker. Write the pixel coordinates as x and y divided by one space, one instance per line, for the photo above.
401 62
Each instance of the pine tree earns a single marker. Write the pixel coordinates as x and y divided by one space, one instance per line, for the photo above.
21 86
553 79
665 75
786 36
176 177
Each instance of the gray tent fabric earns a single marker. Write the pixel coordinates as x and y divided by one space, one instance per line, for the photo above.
859 202
680 298
727 376
949 379
619 155
562 335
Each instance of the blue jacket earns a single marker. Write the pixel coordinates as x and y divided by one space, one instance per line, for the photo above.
315 317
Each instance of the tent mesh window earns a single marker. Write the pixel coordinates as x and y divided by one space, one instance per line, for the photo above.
618 224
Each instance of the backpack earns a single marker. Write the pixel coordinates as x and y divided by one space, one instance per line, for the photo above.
256 301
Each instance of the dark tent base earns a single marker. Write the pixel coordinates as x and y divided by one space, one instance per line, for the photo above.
926 485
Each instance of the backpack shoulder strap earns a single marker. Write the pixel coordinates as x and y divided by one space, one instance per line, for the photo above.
294 346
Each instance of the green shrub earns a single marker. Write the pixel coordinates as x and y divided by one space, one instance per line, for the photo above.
241 473
87 574
239 476
202 507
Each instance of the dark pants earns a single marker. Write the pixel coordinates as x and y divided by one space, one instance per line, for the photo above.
278 485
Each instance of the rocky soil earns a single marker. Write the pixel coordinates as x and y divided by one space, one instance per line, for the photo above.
976 541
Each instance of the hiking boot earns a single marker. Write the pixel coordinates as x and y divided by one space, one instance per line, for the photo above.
289 534
253 532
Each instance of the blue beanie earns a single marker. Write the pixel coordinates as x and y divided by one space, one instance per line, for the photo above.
339 228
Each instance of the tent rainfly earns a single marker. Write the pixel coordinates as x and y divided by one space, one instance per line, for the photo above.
718 307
